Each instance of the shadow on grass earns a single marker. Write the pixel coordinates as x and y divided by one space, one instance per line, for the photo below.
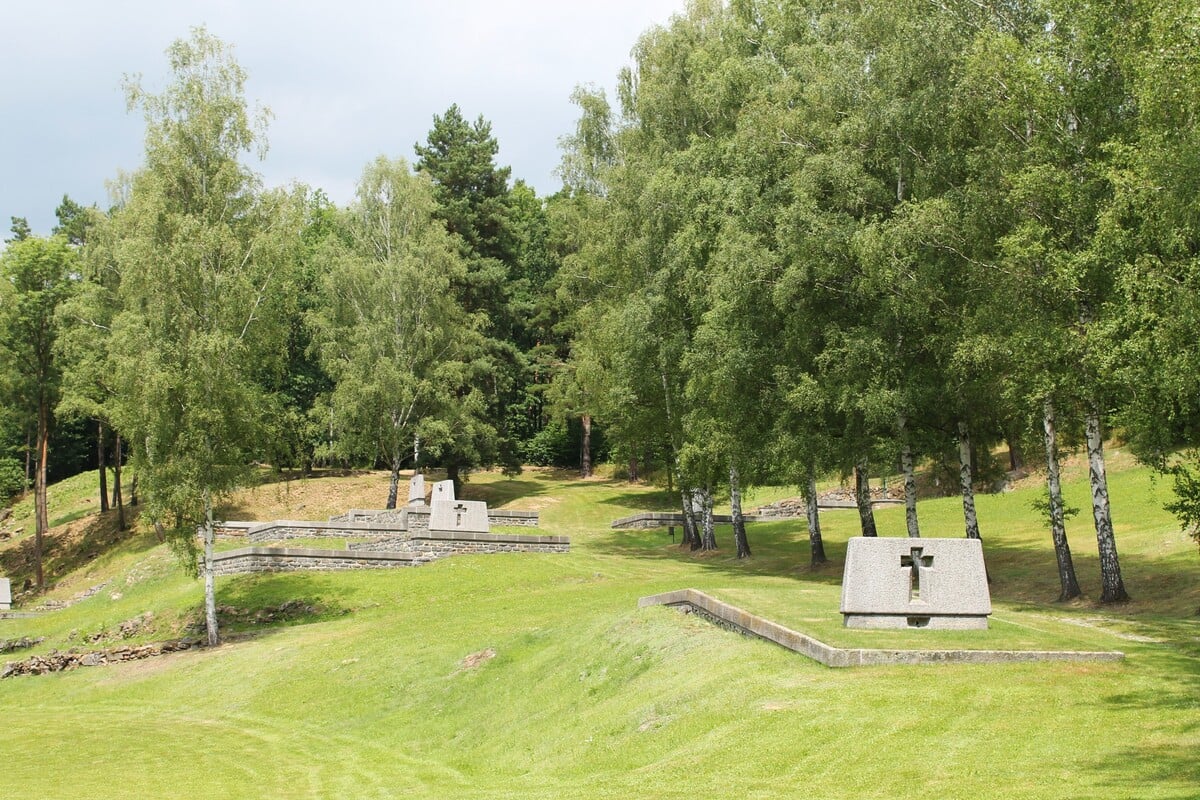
260 603
1021 574
66 549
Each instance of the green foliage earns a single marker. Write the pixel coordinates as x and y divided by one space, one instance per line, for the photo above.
388 328
1185 480
12 480
200 252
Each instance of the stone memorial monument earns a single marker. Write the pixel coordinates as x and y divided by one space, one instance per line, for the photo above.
458 516
5 594
416 490
442 490
915 583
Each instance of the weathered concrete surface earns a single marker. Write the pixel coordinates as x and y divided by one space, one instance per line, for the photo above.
442 490
458 516
5 594
416 490
744 622
915 583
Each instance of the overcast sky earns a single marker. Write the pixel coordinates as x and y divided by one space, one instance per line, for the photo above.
346 81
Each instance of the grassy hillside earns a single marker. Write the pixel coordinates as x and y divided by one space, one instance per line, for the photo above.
526 675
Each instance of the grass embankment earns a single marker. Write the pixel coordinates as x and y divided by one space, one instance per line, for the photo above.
525 675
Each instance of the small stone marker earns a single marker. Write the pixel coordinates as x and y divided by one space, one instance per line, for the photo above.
915 583
458 516
416 490
5 594
442 490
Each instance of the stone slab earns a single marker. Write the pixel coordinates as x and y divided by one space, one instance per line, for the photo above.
5 594
915 583
416 490
442 490
458 516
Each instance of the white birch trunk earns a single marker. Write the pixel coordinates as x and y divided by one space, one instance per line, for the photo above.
210 594
815 543
735 509
862 498
1113 588
1058 528
910 481
710 530
970 518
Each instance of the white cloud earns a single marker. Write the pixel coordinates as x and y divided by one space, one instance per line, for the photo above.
345 81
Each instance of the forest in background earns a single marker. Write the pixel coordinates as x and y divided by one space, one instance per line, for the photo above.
806 238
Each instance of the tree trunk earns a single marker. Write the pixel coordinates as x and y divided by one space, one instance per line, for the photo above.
210 594
41 513
1058 528
1016 459
710 530
633 469
585 460
133 501
1113 588
815 543
28 461
970 518
416 452
394 483
691 535
103 468
862 498
910 481
117 500
739 522
452 474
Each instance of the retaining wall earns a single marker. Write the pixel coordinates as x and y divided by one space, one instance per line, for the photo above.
736 619
438 544
288 559
282 529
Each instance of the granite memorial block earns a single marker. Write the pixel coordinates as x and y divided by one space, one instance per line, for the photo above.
915 583
5 594
458 516
416 490
442 490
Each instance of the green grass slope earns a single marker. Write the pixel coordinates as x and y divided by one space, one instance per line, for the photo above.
525 675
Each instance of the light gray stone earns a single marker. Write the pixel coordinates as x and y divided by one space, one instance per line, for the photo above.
458 516
5 594
416 490
915 583
442 490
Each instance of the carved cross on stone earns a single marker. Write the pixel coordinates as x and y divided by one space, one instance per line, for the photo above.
458 512
915 560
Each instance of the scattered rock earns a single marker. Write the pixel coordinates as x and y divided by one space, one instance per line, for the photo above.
24 643
56 661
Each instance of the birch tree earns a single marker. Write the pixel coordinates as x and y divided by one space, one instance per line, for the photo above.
389 330
200 250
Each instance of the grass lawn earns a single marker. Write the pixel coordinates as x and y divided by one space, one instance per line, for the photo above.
535 675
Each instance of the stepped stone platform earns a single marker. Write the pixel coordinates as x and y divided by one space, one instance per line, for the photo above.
736 619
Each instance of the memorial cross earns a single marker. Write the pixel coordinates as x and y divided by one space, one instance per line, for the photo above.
915 561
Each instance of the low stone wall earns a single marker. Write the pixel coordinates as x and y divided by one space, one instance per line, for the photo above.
736 619
394 515
232 530
282 529
436 544
416 518
288 559
513 519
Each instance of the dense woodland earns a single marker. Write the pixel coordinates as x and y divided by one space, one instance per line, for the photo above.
807 238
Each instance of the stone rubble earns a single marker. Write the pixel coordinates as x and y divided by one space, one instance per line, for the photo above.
56 661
